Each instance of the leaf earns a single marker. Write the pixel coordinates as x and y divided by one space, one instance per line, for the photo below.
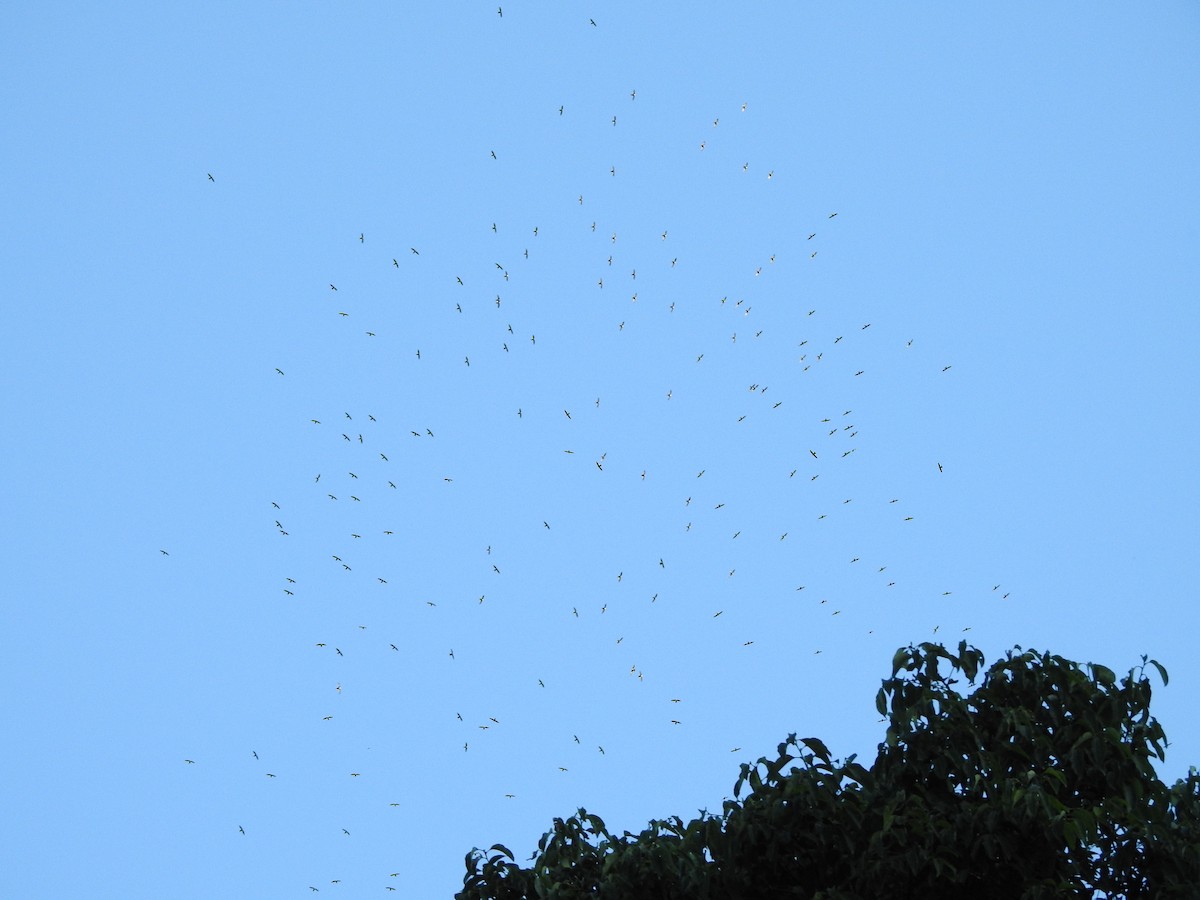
970 661
1083 738
1051 772
745 774
817 746
1161 671
1071 833
857 772
503 850
1103 674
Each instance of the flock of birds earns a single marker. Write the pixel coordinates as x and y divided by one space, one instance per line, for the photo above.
370 472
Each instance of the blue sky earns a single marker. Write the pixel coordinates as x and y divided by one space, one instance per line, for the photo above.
981 372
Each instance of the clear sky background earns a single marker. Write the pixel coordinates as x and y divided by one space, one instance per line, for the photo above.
967 401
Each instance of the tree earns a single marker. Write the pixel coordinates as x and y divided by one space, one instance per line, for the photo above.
1039 783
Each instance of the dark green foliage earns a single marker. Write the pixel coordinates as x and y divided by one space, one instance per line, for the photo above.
1039 783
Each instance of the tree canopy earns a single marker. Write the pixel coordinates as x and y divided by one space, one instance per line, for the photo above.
1038 783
